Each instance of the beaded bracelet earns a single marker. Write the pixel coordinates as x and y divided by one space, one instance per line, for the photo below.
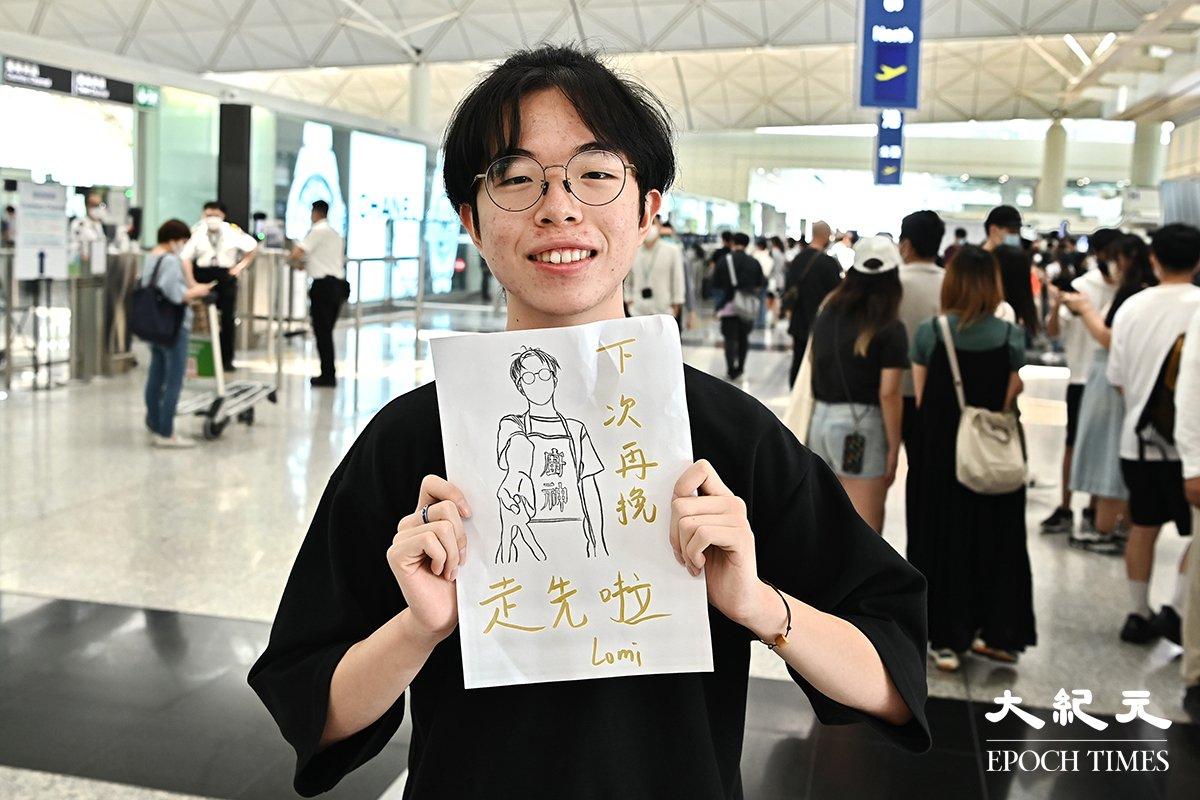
781 639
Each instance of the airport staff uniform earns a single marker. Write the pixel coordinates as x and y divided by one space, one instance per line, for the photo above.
213 253
325 263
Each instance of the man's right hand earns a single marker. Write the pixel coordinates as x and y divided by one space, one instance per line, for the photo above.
1191 490
425 558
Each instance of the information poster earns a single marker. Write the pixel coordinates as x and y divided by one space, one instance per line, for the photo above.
41 241
567 443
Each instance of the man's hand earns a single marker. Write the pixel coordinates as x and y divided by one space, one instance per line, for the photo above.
710 532
425 558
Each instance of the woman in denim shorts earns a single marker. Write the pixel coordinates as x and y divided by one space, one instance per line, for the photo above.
859 353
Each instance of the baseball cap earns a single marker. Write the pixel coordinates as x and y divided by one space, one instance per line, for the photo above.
876 254
1003 217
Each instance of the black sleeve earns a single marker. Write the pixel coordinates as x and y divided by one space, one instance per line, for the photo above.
812 544
339 592
893 346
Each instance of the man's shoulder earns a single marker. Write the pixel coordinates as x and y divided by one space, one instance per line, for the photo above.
413 416
717 405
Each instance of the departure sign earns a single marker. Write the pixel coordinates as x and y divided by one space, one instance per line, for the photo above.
889 147
31 75
889 48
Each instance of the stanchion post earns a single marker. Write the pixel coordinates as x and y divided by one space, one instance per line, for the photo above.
277 319
357 316
9 311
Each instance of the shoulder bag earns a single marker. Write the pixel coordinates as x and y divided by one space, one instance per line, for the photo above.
745 304
987 451
154 317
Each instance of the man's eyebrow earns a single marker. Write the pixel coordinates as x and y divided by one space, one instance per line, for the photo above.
520 151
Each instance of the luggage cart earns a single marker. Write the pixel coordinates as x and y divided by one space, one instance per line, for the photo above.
229 401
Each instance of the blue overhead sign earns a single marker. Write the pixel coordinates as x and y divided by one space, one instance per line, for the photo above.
889 147
889 49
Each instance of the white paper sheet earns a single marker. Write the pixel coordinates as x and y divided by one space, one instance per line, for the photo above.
573 577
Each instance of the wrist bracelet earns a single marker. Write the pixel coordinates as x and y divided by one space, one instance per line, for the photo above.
781 639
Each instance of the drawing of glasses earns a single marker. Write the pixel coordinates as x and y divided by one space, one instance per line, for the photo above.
541 375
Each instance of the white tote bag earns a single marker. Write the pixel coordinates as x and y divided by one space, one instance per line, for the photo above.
988 454
800 405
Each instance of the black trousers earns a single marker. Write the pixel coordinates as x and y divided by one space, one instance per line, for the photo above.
226 293
737 342
325 298
910 434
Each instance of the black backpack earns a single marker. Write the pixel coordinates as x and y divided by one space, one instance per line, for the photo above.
1159 411
154 317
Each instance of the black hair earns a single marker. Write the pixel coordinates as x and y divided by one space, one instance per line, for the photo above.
173 230
667 224
218 205
1015 265
727 236
10 210
514 369
321 207
777 242
924 230
741 239
1176 246
872 301
1102 239
623 115
1005 217
791 242
761 242
960 233
1137 275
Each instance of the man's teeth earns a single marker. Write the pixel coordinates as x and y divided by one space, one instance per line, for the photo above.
562 256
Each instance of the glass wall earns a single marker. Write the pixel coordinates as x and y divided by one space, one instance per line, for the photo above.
178 158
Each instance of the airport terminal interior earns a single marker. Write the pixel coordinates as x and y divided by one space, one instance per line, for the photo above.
269 181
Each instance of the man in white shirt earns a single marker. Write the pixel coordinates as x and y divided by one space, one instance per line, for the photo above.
655 283
219 251
322 256
921 279
1187 441
1144 332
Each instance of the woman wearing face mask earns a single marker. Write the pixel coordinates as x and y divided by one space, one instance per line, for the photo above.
1096 463
167 362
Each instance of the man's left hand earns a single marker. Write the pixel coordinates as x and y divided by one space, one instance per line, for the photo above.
711 532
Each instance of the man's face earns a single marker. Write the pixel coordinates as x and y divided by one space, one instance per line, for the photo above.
511 242
213 212
537 381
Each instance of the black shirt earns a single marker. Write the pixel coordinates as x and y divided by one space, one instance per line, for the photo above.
746 269
833 337
811 275
652 737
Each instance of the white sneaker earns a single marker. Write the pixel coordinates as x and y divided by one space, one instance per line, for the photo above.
946 660
174 441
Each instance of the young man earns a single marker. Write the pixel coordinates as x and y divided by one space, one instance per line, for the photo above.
921 279
1144 331
322 255
370 608
655 284
1002 227
219 251
736 272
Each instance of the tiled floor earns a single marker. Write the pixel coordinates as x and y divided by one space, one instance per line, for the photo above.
178 559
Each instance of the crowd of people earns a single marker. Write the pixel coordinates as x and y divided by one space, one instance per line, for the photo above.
892 344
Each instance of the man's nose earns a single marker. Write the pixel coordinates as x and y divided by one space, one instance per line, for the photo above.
558 204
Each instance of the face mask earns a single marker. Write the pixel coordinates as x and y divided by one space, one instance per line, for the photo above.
94 213
652 235
1012 239
213 223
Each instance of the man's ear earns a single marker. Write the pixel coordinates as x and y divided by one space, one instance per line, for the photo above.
652 205
468 220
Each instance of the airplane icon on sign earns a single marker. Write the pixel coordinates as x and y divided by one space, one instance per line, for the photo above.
886 73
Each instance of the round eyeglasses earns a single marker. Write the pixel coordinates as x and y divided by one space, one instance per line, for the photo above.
516 183
541 375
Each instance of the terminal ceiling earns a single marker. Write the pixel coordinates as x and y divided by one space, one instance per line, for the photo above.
719 64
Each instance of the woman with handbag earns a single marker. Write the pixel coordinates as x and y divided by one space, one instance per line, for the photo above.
859 354
163 270
738 280
971 512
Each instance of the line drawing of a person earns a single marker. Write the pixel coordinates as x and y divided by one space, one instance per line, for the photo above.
550 467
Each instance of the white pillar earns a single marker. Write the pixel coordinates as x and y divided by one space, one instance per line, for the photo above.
1049 195
418 96
1145 169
